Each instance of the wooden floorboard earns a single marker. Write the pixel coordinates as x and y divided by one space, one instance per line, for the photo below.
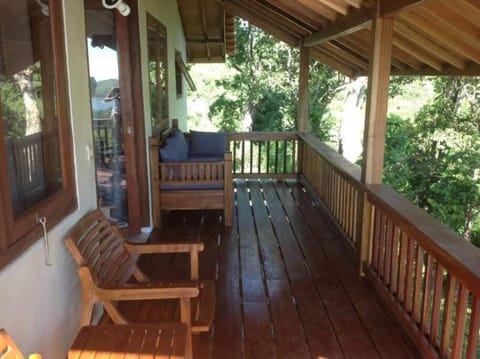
286 286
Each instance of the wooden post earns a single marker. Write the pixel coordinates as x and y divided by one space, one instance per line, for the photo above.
302 114
375 124
377 100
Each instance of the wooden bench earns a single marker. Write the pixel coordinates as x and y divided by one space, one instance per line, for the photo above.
109 275
190 185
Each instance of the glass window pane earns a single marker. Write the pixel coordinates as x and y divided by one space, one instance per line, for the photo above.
157 54
28 108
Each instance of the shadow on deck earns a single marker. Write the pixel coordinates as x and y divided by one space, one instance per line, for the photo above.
286 287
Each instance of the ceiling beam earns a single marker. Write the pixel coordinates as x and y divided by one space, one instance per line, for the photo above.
440 33
417 52
346 26
319 8
471 69
265 11
332 4
393 7
237 8
428 44
204 25
300 12
324 58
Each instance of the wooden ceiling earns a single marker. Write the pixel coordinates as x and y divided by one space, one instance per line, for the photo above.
431 37
209 30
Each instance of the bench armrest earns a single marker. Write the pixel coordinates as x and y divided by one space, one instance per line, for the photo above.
173 247
167 247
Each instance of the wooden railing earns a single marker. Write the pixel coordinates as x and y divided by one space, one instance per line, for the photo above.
428 275
336 182
264 154
425 274
27 169
104 137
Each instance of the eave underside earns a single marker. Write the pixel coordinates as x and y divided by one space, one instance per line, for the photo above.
430 37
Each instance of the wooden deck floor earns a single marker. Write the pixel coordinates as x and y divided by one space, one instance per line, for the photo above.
286 287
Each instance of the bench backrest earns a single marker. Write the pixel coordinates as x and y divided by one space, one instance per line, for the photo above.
94 242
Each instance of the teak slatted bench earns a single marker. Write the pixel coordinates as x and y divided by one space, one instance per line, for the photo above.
195 182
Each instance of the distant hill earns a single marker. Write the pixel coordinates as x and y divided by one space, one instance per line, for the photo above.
103 87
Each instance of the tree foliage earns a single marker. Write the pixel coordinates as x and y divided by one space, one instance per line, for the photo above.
262 95
435 160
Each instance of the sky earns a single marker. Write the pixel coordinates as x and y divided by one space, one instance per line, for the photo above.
103 63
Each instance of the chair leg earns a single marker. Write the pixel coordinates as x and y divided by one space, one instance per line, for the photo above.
185 315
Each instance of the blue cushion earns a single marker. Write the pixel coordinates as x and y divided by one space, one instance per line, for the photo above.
175 148
168 153
208 143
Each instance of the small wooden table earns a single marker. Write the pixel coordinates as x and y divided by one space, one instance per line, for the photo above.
114 341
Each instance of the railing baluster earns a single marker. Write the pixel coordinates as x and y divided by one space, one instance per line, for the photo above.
234 156
395 258
294 156
474 329
437 298
427 294
381 253
447 316
243 157
268 156
251 156
376 238
417 292
407 304
259 158
460 321
388 254
402 267
276 156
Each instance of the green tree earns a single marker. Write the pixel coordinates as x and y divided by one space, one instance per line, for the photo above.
435 161
262 94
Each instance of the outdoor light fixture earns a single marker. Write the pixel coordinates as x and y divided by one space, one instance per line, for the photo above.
122 8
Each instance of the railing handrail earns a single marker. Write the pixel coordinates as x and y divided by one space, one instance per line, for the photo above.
262 136
458 256
350 171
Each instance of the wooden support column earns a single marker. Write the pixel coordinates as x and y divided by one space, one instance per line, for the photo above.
302 114
375 124
377 101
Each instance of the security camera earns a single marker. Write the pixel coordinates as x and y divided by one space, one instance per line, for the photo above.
122 8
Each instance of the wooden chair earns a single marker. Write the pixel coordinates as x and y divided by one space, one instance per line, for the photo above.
109 275
8 349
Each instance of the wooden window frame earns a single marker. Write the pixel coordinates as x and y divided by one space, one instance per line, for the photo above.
18 234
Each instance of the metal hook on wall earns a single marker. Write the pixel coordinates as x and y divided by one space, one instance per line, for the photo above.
43 222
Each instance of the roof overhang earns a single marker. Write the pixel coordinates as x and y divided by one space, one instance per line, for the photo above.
438 37
209 30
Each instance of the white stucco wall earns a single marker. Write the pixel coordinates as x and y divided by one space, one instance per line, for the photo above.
39 305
